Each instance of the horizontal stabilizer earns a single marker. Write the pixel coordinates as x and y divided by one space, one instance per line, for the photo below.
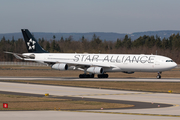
17 55
21 56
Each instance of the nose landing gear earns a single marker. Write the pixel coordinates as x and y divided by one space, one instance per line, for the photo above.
159 75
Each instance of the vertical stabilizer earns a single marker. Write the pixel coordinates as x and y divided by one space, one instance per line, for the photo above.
31 43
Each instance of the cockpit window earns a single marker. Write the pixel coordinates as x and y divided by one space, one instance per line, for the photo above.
169 61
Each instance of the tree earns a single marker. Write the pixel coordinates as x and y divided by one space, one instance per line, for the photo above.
165 43
96 43
69 39
150 41
48 46
57 48
176 41
54 37
83 39
3 39
127 42
62 39
118 43
53 45
139 42
158 42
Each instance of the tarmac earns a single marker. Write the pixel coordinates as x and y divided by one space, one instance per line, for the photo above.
162 106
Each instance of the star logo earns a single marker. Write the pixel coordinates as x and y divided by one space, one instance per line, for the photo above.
31 44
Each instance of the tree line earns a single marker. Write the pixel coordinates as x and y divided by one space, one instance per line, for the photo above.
169 47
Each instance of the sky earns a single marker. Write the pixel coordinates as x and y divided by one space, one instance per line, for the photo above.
81 16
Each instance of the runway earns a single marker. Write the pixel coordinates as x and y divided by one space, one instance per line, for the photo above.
94 79
160 113
70 115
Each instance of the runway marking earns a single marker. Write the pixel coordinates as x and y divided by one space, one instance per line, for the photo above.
124 113
176 105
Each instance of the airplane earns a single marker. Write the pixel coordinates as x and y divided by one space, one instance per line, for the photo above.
93 64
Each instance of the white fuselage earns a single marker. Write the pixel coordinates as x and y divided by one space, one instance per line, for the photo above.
109 62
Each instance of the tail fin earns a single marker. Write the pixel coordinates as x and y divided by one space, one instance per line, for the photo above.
31 43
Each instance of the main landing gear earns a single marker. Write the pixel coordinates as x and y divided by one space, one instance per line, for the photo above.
92 76
86 76
103 75
159 75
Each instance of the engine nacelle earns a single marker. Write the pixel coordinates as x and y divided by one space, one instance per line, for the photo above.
60 66
95 70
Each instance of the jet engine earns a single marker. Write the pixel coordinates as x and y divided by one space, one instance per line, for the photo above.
60 66
95 70
32 56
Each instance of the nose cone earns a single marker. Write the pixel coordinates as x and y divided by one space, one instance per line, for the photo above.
174 65
169 65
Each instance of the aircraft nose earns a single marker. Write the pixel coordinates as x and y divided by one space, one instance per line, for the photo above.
172 65
175 64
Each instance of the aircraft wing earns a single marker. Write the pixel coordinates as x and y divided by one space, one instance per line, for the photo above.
78 64
89 64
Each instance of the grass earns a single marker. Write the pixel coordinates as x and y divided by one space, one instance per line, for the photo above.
17 102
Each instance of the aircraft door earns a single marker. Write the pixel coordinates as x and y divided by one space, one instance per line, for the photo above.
157 62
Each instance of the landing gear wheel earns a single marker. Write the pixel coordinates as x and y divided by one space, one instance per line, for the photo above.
91 75
158 77
81 76
103 76
86 76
